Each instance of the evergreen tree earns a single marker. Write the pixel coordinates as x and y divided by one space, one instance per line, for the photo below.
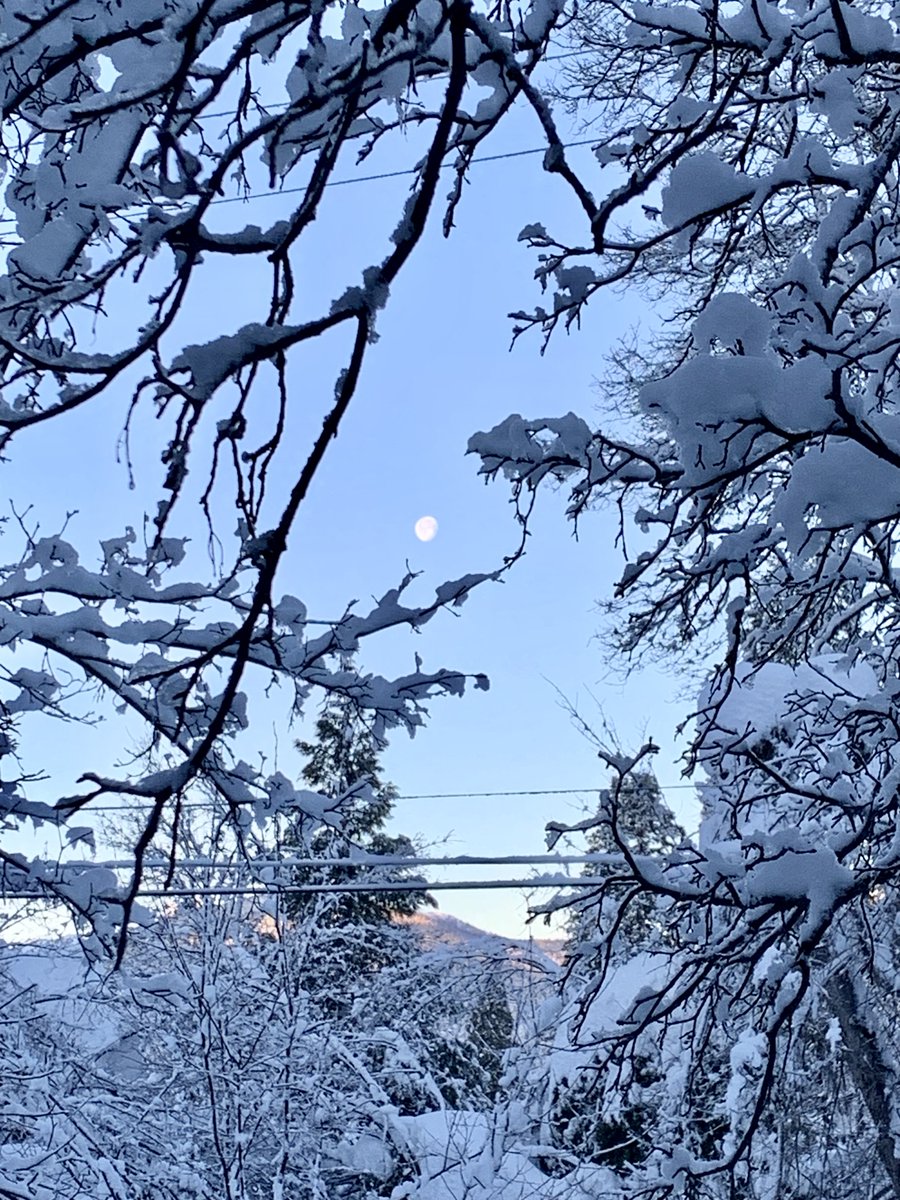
632 813
357 932
490 1032
467 1038
434 1040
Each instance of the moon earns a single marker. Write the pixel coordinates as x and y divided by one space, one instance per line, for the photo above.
426 528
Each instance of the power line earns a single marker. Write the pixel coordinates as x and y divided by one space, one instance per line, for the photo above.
461 885
479 795
361 178
210 805
262 887
351 864
271 193
540 792
485 158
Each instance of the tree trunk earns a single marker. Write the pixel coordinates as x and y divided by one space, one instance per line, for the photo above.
871 1073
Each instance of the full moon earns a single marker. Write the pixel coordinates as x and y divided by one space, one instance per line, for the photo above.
426 528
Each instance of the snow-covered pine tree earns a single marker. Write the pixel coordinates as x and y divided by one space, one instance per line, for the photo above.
355 932
445 1041
632 812
609 925
490 1032
468 1029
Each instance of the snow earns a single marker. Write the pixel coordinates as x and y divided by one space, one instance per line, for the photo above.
519 447
837 99
714 391
834 486
702 183
808 874
762 25
366 1155
731 319
767 463
869 34
213 362
470 1154
677 17
686 110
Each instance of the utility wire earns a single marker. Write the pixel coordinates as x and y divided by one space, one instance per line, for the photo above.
361 178
485 158
351 864
353 179
461 885
263 887
540 792
209 805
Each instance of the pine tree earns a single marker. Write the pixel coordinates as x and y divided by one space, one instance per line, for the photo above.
490 1032
436 1042
632 811
351 934
467 1036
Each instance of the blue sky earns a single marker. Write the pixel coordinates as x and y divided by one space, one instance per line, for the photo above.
441 370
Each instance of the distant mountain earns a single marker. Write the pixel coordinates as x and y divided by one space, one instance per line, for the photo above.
442 929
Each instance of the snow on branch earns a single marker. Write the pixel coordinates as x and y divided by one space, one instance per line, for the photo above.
131 131
748 158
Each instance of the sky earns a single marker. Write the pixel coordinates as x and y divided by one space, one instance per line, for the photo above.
441 371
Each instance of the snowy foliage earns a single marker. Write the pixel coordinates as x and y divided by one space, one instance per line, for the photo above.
125 128
753 152
206 1069
748 159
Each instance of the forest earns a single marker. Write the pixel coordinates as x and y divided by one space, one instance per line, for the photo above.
252 1000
